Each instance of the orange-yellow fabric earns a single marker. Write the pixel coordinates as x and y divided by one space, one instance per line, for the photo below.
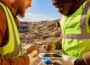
22 60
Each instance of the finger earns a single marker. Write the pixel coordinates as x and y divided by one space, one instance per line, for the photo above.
34 53
32 48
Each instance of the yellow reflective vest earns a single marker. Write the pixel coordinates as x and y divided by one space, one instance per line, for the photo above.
76 31
12 48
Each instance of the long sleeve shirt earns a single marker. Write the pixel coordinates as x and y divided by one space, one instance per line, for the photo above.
85 60
22 60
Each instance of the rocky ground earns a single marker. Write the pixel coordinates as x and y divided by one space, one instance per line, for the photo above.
40 34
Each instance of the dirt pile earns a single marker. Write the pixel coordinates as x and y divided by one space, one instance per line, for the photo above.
39 32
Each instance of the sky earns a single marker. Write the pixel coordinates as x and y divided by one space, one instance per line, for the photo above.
41 10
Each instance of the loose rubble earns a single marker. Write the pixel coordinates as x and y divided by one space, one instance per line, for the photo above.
40 33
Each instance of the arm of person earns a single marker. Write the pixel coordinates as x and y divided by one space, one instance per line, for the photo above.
85 60
58 42
68 60
21 60
32 55
56 45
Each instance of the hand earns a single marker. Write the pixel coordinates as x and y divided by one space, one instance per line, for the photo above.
32 48
67 60
24 47
51 47
33 53
32 56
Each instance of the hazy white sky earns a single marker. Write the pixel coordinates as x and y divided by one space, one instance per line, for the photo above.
41 10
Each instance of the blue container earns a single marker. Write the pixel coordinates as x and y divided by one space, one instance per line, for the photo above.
45 60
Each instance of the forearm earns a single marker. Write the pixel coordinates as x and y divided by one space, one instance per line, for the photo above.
21 60
85 60
58 42
59 45
79 61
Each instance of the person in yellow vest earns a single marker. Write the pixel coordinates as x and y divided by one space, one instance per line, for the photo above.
10 46
75 24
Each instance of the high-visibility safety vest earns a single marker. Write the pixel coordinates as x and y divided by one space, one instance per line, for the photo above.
12 48
76 31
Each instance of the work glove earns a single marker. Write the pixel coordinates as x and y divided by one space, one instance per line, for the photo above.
32 56
33 53
67 60
51 47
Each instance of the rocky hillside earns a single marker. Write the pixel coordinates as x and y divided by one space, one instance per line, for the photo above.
40 32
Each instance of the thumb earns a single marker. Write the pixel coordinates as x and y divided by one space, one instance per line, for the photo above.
33 53
33 48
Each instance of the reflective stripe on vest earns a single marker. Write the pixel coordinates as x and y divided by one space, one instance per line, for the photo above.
12 48
84 34
76 40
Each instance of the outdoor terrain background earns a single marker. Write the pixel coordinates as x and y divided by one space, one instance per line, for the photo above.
40 34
